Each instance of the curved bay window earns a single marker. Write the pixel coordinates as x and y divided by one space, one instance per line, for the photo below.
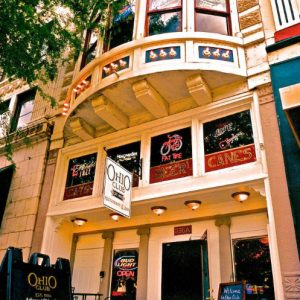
121 27
212 16
164 16
90 45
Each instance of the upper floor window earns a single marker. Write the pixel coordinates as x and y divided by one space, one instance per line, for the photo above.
286 12
121 27
212 16
24 109
164 16
4 115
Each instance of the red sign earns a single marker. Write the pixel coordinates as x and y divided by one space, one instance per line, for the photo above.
79 190
172 170
183 230
230 158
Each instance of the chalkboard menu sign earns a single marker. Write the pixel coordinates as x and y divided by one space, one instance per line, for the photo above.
229 142
171 155
232 291
128 156
124 274
80 178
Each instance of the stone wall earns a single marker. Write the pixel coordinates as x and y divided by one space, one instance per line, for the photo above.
22 204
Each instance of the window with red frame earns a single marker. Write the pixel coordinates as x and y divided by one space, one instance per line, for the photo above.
164 16
212 16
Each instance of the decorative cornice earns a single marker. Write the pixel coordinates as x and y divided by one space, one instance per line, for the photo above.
32 133
10 87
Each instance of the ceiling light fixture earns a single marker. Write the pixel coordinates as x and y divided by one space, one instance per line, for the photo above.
115 216
158 210
193 204
79 221
240 196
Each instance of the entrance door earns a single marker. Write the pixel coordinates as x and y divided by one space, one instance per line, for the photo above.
182 271
87 264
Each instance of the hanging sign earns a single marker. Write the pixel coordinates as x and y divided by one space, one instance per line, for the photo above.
124 274
117 188
171 156
229 142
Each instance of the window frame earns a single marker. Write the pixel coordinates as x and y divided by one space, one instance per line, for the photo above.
161 11
88 47
111 27
226 14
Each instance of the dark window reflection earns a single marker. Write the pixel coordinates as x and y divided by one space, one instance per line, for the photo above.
128 156
121 30
164 23
253 265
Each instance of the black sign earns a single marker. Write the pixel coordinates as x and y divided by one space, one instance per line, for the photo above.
229 142
232 291
124 274
80 178
171 155
31 281
128 156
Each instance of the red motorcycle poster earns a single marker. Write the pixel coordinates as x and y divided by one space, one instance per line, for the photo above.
124 274
229 142
171 155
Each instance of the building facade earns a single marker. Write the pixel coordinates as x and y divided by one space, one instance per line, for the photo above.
179 93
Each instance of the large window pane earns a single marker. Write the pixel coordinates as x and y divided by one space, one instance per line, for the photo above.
211 23
164 23
25 113
163 4
128 156
253 264
219 5
121 30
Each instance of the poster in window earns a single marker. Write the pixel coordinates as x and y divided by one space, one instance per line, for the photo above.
171 156
80 178
128 156
124 274
229 142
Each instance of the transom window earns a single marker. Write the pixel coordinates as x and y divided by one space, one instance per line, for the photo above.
164 16
212 16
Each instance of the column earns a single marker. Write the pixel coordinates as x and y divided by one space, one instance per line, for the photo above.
108 236
142 279
225 248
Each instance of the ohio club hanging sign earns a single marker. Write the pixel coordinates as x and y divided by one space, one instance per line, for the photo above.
117 188
171 155
229 142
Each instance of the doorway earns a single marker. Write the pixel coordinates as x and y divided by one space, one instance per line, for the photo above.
184 270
